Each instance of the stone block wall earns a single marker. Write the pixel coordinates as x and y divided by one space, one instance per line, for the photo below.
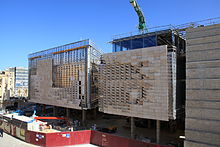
203 87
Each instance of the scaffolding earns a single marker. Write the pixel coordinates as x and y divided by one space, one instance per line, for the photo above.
63 76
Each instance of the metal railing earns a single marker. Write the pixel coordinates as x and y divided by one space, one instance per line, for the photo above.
180 27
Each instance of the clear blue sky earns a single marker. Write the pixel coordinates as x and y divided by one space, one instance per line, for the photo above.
27 26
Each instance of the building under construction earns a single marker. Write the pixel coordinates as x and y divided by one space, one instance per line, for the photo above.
203 87
63 76
144 76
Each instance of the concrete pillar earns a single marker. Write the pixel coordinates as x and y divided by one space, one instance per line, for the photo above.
44 109
67 112
172 125
132 128
54 111
94 113
19 105
83 117
158 131
148 124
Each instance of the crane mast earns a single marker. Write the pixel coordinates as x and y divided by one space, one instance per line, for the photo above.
142 22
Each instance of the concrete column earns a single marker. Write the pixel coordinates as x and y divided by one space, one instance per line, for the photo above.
158 131
83 117
67 112
44 109
54 111
94 113
148 124
172 125
132 128
19 105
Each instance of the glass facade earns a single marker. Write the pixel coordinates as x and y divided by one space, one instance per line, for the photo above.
135 43
69 53
166 37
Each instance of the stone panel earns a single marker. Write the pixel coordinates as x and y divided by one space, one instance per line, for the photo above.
211 95
137 83
204 40
203 73
203 87
205 125
203 113
203 55
198 144
203 64
203 104
203 83
206 137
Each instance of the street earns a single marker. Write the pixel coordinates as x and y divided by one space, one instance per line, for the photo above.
9 141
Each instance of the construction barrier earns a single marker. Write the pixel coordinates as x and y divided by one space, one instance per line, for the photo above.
108 140
72 138
35 138
20 133
7 127
68 138
13 130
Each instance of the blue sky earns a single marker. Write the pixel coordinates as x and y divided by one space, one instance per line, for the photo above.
27 26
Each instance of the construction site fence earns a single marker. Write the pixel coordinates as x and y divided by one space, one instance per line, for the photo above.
72 138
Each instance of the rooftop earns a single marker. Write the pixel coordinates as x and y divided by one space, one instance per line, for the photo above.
62 48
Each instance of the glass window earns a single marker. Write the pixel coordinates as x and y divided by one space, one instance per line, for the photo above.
137 43
150 41
126 45
117 47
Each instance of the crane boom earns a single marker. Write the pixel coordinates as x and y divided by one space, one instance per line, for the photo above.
142 22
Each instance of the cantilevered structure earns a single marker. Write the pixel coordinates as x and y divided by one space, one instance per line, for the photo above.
144 76
63 76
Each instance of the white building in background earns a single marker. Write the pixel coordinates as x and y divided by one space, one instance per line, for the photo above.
21 82
13 83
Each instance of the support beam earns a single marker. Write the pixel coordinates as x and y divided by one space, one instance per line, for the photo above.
132 128
158 131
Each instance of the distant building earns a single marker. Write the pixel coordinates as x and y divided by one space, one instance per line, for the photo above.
21 82
3 86
13 83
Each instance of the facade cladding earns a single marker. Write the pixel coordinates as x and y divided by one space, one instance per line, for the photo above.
202 125
136 83
142 81
63 76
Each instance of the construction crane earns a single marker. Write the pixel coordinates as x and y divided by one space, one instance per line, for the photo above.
142 23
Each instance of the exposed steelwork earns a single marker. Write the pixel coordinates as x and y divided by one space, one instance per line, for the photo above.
63 76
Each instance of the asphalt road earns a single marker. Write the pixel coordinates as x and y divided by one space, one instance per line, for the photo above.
9 141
